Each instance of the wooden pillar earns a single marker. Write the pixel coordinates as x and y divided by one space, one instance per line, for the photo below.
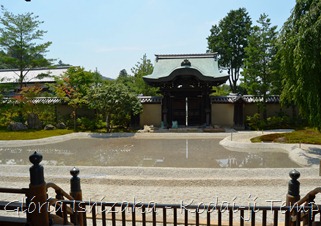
165 108
293 194
37 211
294 188
76 193
207 103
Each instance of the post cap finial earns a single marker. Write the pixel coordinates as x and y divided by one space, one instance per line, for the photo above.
35 158
74 172
294 174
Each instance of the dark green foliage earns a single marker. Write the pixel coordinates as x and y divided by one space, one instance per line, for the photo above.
256 122
126 79
73 86
19 113
300 55
229 39
259 71
135 82
90 124
143 68
115 102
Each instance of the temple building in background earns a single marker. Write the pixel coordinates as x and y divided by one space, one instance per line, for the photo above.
185 83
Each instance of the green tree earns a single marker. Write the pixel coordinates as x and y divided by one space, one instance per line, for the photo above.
19 41
73 86
123 74
126 79
300 55
229 39
258 65
222 90
115 101
143 68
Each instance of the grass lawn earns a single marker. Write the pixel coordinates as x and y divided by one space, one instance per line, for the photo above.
31 134
306 136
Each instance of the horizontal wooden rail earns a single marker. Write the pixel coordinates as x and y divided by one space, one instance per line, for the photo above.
13 205
14 190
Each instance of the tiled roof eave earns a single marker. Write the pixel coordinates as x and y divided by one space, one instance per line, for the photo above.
150 99
37 100
245 98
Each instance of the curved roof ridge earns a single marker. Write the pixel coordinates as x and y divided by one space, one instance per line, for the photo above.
204 66
179 56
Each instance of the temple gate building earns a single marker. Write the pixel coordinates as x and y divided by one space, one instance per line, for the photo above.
186 82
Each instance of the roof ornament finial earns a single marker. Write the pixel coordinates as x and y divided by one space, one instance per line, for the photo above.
186 62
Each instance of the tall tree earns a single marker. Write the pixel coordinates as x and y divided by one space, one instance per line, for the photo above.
126 79
19 40
115 101
229 39
300 55
73 86
258 64
143 68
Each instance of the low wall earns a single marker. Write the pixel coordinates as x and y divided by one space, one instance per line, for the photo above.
222 114
151 115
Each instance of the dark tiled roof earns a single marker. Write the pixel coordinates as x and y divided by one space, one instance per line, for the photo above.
245 98
150 99
37 100
56 100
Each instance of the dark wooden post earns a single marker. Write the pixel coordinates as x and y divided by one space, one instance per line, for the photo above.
293 192
76 193
165 102
37 211
294 188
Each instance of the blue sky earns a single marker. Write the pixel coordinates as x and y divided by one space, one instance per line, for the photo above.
112 35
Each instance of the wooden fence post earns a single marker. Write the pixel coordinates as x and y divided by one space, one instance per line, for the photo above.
76 193
293 194
37 209
294 188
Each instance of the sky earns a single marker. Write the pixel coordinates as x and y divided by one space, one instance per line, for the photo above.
111 35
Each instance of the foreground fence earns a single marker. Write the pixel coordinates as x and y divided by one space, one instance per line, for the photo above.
70 209
103 213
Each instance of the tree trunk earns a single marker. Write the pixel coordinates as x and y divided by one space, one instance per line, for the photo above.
264 107
108 123
233 79
74 114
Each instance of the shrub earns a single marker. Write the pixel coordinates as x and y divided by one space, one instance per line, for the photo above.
274 122
90 124
18 113
84 124
9 113
278 122
256 122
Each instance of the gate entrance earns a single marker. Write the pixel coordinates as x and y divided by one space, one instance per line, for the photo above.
187 111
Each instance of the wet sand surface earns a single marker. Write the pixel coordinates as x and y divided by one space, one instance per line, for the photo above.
169 184
189 152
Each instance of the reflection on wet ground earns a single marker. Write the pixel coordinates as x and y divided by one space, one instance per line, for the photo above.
187 153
